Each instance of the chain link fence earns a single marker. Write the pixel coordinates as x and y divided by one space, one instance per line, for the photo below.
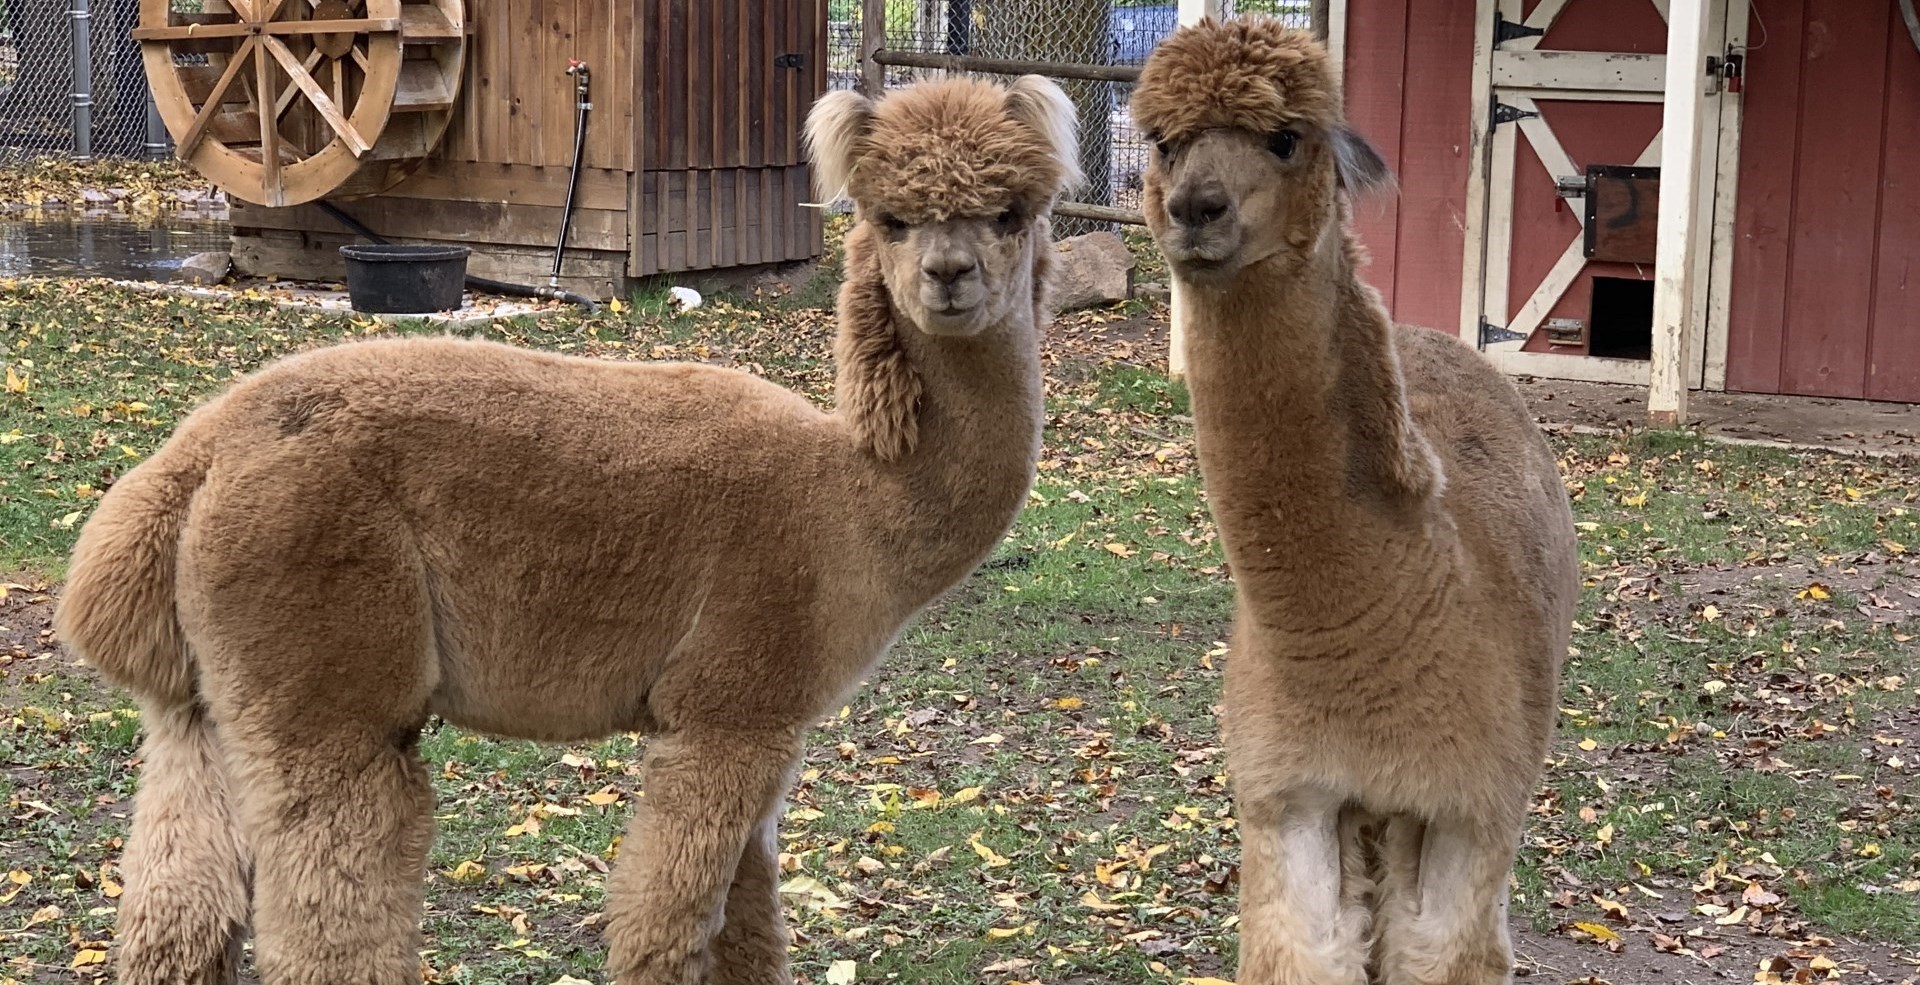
72 83
1084 33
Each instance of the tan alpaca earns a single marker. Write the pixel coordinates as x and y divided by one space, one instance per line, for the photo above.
1401 545
552 548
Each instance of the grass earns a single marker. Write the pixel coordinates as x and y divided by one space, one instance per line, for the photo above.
1032 787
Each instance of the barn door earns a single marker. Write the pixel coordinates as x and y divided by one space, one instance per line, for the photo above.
723 95
1569 181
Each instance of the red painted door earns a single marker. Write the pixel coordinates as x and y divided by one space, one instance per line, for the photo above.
1825 296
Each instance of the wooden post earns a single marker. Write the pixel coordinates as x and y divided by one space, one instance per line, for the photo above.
873 37
1676 257
1191 12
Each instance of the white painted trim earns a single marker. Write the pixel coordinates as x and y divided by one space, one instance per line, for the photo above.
1554 157
1337 35
1598 70
1473 259
1190 12
1676 263
1547 293
1661 6
1561 366
1497 280
1586 95
1726 190
1716 31
1544 15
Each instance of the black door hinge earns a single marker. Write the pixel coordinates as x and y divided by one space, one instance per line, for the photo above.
1491 333
791 59
1504 113
1505 30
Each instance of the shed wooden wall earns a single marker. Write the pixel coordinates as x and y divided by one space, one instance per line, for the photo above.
692 157
1826 270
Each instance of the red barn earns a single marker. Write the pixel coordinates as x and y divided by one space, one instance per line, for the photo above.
1531 137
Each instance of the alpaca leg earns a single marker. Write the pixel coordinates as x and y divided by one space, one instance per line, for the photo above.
706 791
1302 920
1444 904
340 826
185 907
751 948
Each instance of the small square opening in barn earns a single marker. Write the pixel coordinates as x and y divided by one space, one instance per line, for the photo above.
1621 324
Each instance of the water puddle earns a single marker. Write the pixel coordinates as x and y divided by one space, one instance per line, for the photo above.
124 249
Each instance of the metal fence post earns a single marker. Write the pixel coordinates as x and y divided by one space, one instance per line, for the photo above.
80 19
157 137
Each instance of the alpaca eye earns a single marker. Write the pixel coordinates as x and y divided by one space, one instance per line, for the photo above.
1165 149
1283 144
893 223
1008 219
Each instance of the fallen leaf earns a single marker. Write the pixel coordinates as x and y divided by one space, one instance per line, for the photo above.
1597 931
840 973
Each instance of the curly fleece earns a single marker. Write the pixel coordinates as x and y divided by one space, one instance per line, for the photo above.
947 149
1249 73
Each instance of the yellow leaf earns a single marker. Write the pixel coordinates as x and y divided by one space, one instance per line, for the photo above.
615 306
87 956
1814 591
1588 745
109 889
1121 550
923 797
1739 913
603 796
1710 613
994 859
1092 901
962 796
839 972
467 872
1612 908
1605 835
1597 931
15 382
1068 704
12 436
997 933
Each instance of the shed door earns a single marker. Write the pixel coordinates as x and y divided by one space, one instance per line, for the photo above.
1574 85
722 94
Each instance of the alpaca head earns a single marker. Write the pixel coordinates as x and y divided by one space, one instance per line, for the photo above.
952 183
1250 151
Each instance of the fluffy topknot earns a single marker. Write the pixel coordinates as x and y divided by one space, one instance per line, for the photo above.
939 150
1250 72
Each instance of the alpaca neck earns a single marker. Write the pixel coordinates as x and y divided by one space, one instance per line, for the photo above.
945 498
1302 420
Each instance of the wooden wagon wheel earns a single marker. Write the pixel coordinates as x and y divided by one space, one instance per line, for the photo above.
285 101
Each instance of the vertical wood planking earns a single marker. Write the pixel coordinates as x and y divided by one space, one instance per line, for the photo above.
1893 353
1433 145
524 113
1829 293
1763 215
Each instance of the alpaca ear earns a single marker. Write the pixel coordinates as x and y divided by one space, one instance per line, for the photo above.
1358 166
1038 102
834 126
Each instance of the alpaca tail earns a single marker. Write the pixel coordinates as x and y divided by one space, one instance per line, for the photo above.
117 610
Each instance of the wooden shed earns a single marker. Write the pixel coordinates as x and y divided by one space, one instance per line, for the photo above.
1539 213
454 121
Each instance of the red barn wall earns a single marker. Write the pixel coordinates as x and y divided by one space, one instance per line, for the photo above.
1826 267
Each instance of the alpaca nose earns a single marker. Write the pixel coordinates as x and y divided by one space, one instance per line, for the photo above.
1194 207
946 267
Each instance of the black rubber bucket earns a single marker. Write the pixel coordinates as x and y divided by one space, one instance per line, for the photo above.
405 280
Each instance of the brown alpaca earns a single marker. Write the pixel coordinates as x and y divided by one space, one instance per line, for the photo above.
1401 545
552 548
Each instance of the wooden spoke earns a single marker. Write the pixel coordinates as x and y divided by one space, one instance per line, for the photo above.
269 129
315 95
307 65
362 25
191 32
215 98
360 58
339 81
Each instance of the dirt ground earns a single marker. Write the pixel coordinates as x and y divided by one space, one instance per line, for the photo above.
1855 426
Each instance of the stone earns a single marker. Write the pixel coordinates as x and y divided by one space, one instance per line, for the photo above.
205 268
1091 270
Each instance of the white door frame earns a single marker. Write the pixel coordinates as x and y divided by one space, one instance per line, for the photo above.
1517 73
